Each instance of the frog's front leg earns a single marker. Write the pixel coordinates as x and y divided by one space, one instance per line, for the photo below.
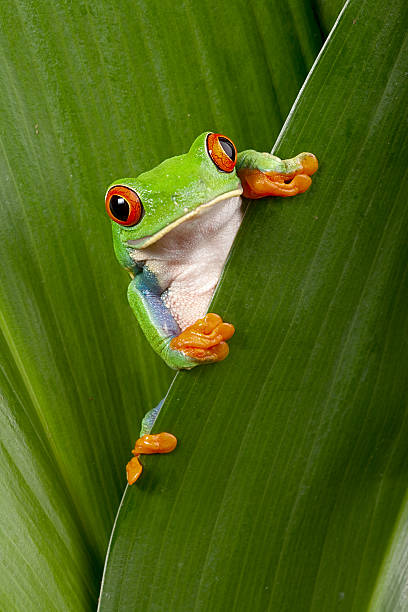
263 174
156 321
202 342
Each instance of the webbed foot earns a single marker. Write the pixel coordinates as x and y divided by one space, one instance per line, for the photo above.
148 444
292 178
205 340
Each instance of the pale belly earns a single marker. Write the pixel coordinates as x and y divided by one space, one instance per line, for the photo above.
189 295
188 261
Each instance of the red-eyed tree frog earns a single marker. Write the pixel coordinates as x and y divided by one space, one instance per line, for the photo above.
173 227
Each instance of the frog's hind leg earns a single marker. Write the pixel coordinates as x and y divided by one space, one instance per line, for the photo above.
149 419
149 444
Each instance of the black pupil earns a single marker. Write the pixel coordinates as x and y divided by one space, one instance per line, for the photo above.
228 148
119 208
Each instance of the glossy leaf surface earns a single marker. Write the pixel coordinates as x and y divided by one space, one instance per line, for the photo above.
92 91
287 490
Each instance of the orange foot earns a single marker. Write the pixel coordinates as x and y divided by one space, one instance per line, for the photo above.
258 184
205 339
148 445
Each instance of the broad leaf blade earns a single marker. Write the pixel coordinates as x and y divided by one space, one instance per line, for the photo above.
46 564
291 471
93 91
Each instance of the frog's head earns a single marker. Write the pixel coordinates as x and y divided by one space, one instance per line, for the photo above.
145 208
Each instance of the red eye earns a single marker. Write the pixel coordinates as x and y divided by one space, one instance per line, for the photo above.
222 152
123 205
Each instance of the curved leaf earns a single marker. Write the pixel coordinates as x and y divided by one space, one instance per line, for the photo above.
91 91
286 488
45 561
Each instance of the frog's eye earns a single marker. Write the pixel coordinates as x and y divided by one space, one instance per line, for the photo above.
222 152
123 205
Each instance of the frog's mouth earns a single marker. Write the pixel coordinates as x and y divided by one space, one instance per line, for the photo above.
146 241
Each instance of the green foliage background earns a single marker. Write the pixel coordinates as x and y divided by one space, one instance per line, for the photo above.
310 440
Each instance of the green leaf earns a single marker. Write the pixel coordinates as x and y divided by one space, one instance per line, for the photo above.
327 12
92 91
287 489
390 594
45 561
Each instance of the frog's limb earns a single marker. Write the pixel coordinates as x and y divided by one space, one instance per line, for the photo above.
149 419
156 320
263 174
202 342
205 340
149 444
134 469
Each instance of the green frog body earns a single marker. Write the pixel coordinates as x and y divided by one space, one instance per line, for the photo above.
173 228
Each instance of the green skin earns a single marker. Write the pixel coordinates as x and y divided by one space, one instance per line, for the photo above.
173 190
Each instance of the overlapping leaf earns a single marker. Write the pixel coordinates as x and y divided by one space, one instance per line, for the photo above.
288 488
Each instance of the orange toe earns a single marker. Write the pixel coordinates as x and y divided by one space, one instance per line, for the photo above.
302 182
226 330
208 323
310 163
133 470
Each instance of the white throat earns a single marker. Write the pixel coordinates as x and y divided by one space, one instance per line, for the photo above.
187 261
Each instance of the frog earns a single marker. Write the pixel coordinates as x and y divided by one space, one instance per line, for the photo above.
173 227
